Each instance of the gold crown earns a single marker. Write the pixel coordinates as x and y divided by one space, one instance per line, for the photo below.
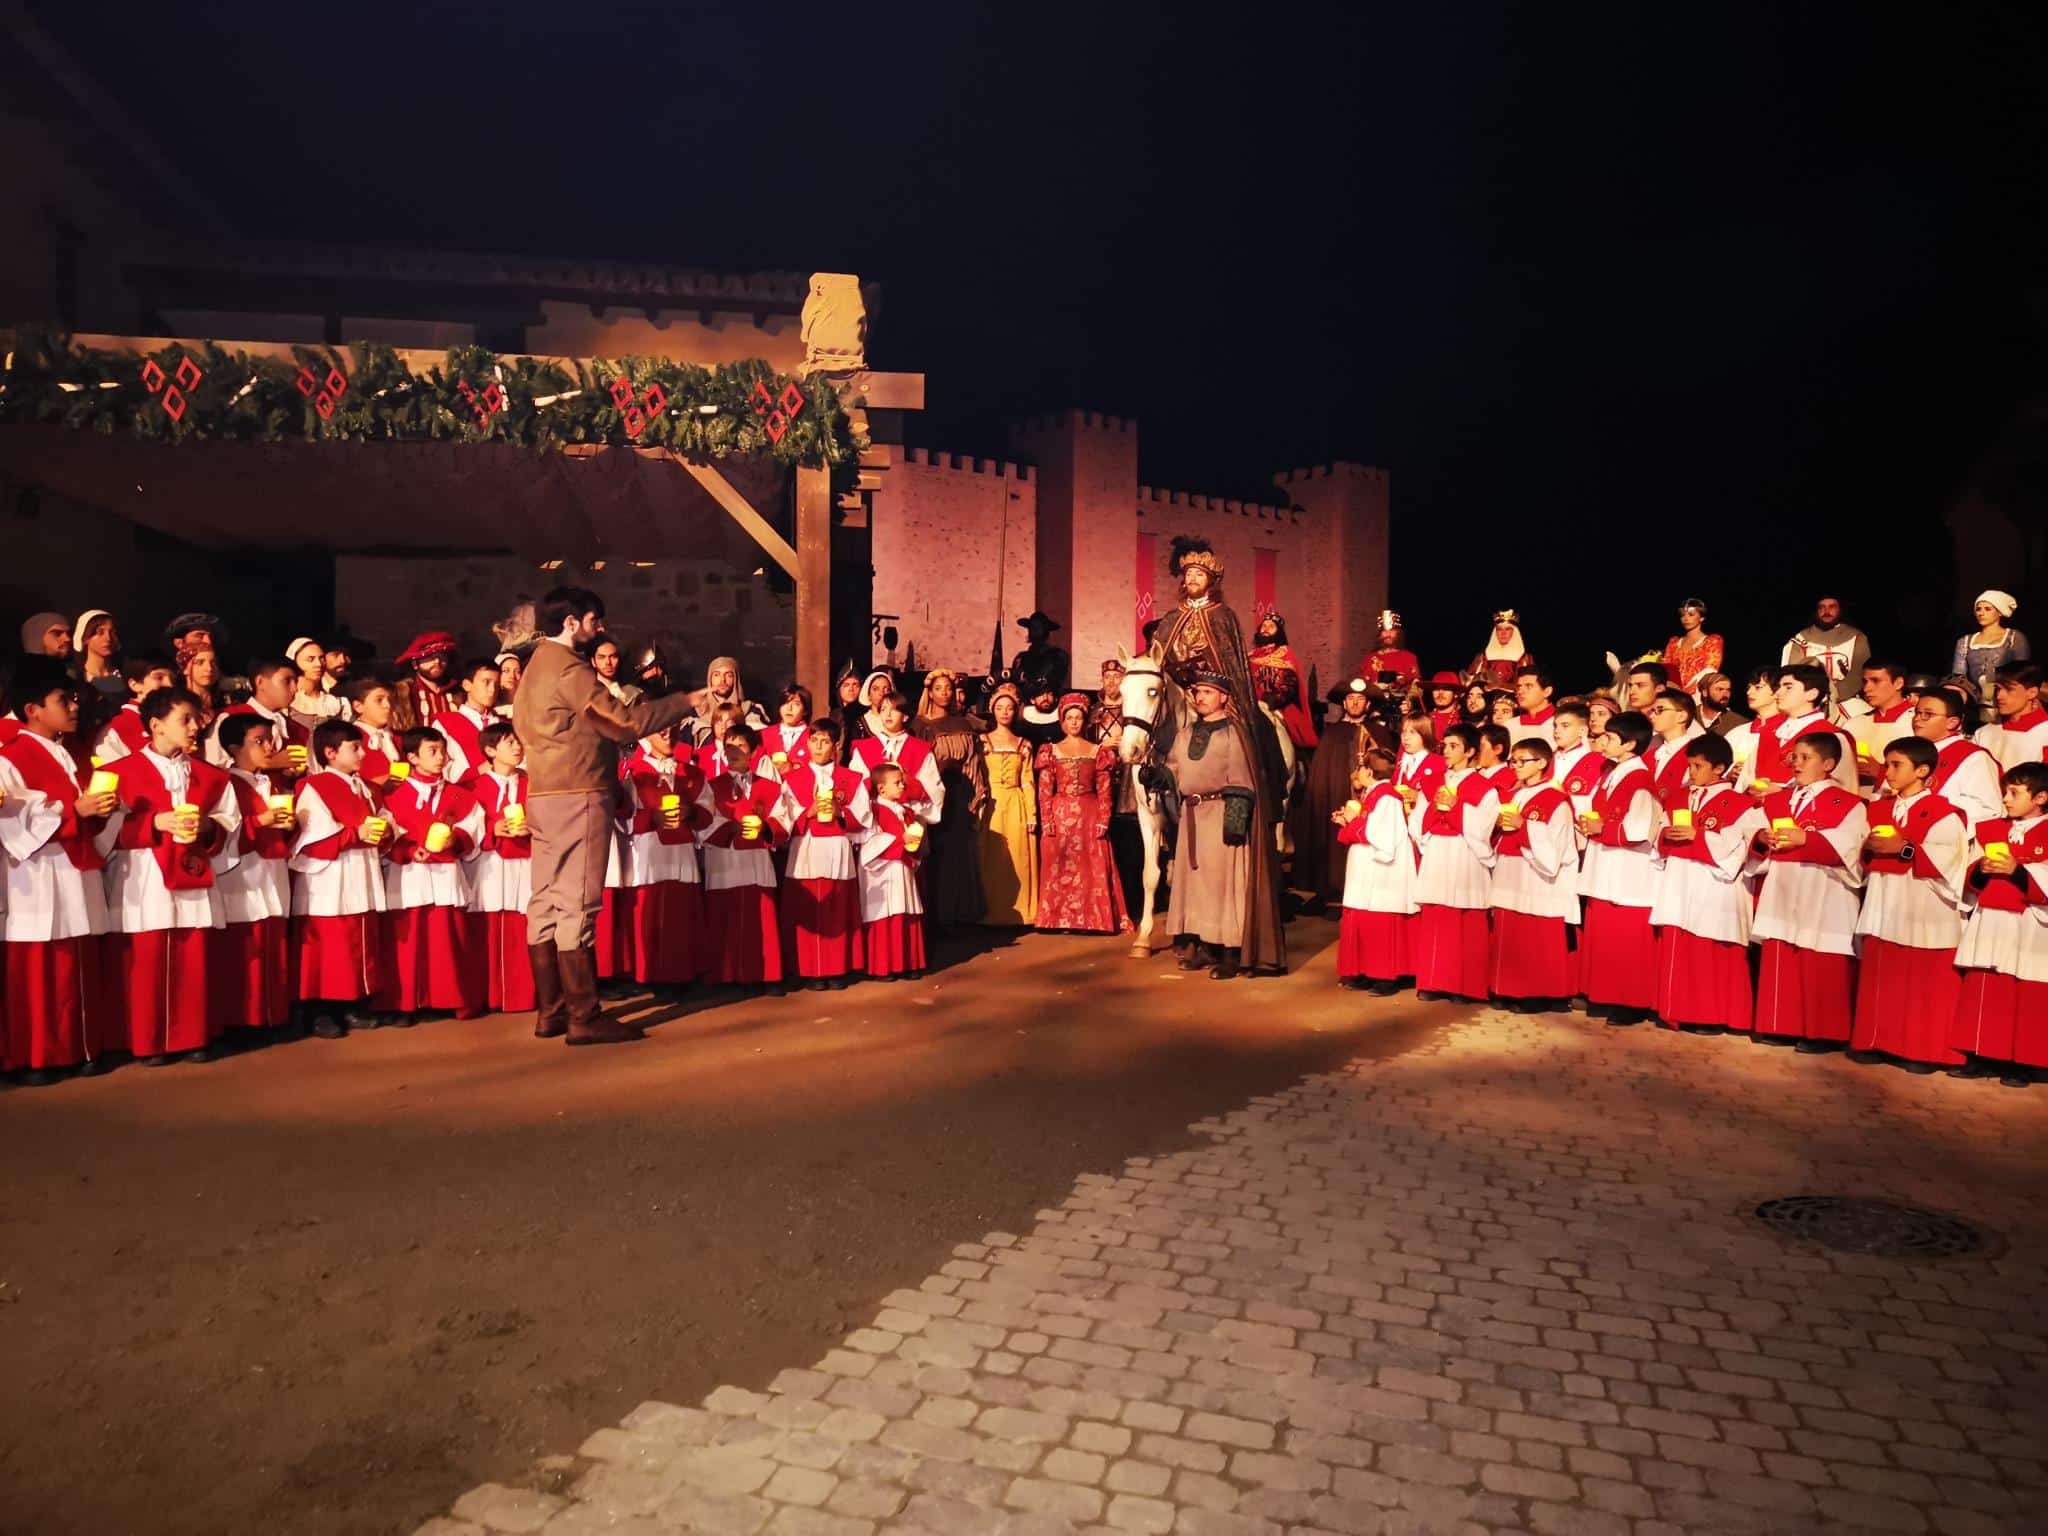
1205 558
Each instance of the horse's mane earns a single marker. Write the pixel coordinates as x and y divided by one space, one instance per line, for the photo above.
1172 703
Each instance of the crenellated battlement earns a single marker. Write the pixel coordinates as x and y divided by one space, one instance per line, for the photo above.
966 463
1339 469
1151 499
1075 420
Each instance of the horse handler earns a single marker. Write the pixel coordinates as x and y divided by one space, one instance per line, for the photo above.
572 728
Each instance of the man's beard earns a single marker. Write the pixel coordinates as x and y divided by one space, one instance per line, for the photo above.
587 648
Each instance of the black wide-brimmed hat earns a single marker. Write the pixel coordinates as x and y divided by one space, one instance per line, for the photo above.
1038 616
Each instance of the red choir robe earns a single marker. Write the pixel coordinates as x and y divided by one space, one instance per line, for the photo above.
1908 929
2002 1005
1536 727
435 948
502 888
1806 916
892 912
461 729
338 894
1617 888
2022 739
163 905
380 753
284 732
1667 766
742 932
658 921
1448 936
60 1010
1502 777
1774 747
1702 912
921 780
821 918
1578 772
1417 777
783 748
122 735
252 957
1379 889
1966 776
1535 898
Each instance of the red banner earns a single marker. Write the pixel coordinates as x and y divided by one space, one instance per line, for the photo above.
1265 583
1148 556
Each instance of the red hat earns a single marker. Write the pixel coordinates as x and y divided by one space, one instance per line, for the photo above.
1441 680
435 642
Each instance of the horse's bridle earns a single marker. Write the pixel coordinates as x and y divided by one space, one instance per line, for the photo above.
1151 669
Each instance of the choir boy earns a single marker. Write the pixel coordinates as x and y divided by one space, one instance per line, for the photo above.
1914 860
337 886
1806 916
1577 766
1420 772
1379 878
1802 697
784 744
251 961
178 818
1672 716
126 733
462 726
894 744
60 1013
826 810
1704 901
1748 738
1965 775
272 684
501 879
658 908
2021 735
1618 884
892 913
1454 829
1535 886
1890 716
434 945
2002 1014
375 713
1533 690
742 934
1645 680
1492 761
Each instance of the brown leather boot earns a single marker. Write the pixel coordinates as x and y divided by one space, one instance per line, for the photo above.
550 1007
589 1024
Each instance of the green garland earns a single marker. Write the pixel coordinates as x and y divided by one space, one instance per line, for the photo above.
473 396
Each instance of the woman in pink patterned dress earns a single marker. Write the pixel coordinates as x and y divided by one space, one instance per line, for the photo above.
1077 884
1691 653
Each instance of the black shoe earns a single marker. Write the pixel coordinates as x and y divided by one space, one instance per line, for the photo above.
326 1026
1861 1058
1425 995
837 983
399 1020
161 1059
204 1054
1580 1005
98 1066
1976 1066
1625 1018
1813 1047
1918 1068
1194 960
1704 1029
1783 1042
2015 1082
40 1077
1225 968
1383 988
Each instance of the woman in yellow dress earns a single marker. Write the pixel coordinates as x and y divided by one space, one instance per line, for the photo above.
1008 817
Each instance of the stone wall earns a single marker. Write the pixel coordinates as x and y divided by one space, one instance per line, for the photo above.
943 564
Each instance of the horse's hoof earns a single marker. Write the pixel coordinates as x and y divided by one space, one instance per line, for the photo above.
1141 952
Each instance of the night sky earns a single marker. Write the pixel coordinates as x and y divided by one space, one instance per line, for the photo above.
1632 302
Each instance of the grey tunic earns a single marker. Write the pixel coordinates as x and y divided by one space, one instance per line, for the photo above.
1209 879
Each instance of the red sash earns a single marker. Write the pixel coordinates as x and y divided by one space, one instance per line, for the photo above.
466 734
2009 893
1611 801
759 800
915 751
1471 789
1948 759
348 809
264 842
490 794
889 823
43 774
1824 812
411 819
185 866
803 785
1908 856
1427 777
1538 807
1721 809
644 789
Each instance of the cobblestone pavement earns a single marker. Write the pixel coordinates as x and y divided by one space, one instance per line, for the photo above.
1506 1282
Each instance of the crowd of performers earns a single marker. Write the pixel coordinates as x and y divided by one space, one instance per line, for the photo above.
1857 859
1853 863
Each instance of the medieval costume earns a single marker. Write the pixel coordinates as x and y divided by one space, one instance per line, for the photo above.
1379 891
1840 650
1041 665
1008 824
1702 908
1077 883
826 811
1218 901
417 699
952 877
1504 656
502 888
1908 929
1201 635
1321 857
2002 1012
858 721
1281 679
1996 644
1690 656
707 699
1806 917
436 948
1393 669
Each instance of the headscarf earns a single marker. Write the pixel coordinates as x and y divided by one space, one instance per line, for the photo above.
35 627
708 702
2004 602
1495 651
293 647
84 626
874 723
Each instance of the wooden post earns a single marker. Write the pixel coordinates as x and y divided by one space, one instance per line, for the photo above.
814 584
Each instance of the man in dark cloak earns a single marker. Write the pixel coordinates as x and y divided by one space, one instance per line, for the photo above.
1318 856
1041 667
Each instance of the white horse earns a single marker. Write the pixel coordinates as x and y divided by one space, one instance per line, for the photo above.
1151 710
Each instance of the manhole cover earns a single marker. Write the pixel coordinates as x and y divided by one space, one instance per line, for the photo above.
1875 1227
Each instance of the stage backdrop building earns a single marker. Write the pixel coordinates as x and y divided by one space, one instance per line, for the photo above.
962 545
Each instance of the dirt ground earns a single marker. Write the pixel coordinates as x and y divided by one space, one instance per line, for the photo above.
328 1286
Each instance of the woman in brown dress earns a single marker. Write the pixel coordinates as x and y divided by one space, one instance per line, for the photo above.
1077 884
952 870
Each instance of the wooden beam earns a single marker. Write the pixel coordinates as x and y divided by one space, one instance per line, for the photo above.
741 511
814 583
